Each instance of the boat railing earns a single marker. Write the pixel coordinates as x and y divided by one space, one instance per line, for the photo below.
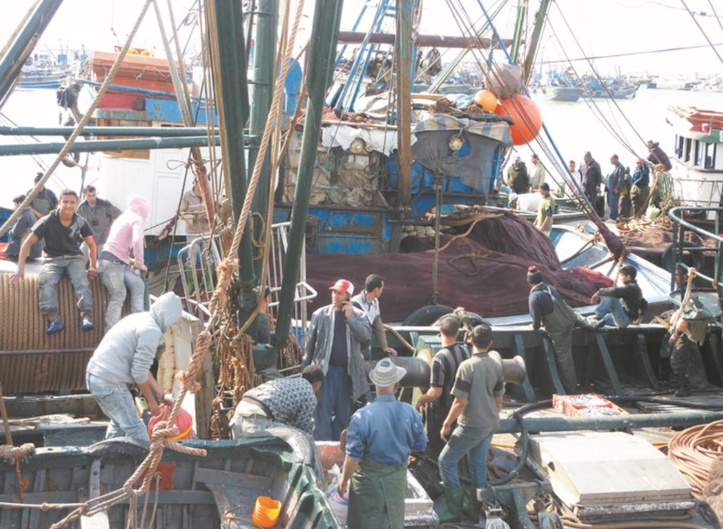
682 248
198 261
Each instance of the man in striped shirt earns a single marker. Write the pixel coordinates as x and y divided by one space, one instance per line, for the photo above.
444 368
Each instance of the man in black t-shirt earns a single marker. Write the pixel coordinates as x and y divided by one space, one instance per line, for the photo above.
443 370
63 232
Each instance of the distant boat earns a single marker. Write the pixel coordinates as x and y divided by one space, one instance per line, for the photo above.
559 93
42 78
613 92
697 162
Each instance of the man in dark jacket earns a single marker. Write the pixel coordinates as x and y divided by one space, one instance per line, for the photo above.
334 343
591 178
19 230
517 177
657 155
619 306
641 182
614 185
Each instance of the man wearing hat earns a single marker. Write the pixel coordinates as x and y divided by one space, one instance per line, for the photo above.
619 306
380 439
517 177
334 344
546 209
548 308
478 390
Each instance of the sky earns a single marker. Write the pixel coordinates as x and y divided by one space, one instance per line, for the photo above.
574 29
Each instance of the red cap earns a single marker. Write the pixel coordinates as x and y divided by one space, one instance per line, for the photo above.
344 286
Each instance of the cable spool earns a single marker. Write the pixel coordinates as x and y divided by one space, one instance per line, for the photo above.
24 368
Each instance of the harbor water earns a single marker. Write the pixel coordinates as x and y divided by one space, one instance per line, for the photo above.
601 126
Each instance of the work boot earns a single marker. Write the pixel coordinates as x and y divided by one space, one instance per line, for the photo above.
683 388
472 507
455 504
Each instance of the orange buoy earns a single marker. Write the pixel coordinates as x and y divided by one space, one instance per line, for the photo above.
147 53
184 423
525 115
132 51
486 99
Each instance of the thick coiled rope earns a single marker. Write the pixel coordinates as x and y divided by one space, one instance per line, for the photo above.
694 450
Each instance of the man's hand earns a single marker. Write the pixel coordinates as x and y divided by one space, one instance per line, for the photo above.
391 351
421 403
347 308
154 409
674 337
595 298
342 488
637 321
92 273
444 432
17 276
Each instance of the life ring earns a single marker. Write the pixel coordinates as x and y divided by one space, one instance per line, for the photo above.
427 315
695 259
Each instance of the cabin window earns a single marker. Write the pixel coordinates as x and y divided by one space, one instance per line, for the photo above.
686 150
698 154
679 147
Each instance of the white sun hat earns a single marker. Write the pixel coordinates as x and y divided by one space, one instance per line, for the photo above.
386 373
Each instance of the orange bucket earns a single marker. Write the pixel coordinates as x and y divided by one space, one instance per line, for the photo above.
266 512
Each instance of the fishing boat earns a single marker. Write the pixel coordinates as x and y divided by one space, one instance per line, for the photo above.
205 489
698 165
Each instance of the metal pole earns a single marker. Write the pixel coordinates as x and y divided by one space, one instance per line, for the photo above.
20 49
643 420
327 17
109 145
232 98
161 132
404 52
263 73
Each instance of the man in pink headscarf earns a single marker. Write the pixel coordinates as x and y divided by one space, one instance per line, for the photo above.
121 261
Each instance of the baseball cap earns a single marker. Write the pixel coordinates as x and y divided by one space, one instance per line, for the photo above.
344 286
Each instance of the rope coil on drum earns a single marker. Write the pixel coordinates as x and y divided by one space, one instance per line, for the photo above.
30 360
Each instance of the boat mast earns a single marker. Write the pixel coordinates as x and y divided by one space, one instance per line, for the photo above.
405 55
225 22
540 19
17 53
319 71
261 83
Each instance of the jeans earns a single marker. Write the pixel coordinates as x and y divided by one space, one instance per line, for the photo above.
612 312
334 408
472 442
50 274
116 277
116 401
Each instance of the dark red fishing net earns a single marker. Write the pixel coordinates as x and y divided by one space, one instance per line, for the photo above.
485 272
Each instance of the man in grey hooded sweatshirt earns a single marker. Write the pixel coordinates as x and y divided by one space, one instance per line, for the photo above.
125 356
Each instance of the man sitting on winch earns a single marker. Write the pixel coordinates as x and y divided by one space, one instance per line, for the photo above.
620 306
63 232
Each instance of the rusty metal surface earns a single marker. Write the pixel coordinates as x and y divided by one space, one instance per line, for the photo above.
42 372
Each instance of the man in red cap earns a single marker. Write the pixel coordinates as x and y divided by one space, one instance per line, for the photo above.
334 344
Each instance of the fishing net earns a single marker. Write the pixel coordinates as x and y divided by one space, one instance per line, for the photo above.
485 271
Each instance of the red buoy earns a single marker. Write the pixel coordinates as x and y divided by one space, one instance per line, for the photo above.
183 422
525 115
